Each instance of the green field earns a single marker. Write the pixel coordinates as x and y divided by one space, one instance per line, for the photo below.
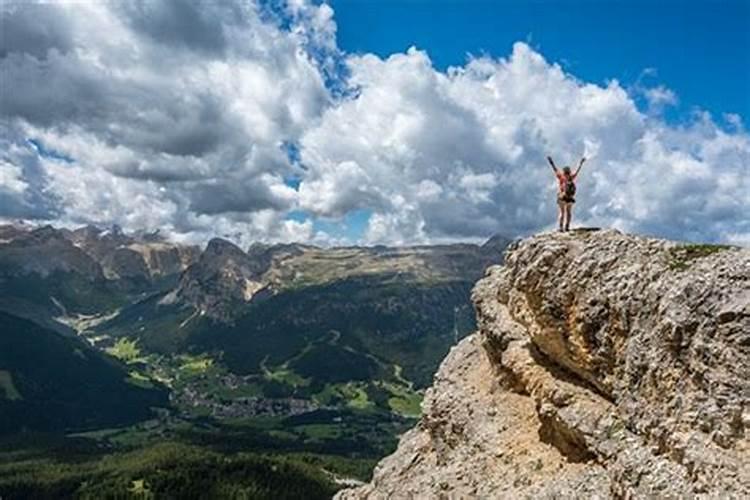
195 364
139 380
285 376
125 350
405 401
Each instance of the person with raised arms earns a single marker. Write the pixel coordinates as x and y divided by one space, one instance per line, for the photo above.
566 192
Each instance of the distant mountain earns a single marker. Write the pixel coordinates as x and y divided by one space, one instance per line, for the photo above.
358 327
48 382
225 279
46 273
308 322
142 258
221 280
496 244
44 251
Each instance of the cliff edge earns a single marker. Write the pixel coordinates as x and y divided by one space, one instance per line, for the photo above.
605 366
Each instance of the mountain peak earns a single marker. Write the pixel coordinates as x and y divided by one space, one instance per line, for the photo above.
46 233
223 278
220 246
600 367
497 242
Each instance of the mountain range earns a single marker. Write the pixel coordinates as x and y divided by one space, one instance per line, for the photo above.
269 330
591 363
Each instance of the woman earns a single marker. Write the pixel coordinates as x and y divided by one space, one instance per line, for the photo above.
566 192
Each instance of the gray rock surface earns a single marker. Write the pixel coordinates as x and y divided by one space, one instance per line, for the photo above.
133 256
223 277
605 366
44 251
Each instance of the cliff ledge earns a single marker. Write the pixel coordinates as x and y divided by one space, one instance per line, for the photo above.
605 366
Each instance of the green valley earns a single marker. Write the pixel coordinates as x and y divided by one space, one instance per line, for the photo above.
303 361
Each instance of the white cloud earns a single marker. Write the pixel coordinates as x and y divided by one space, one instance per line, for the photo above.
171 110
11 179
460 154
660 96
176 115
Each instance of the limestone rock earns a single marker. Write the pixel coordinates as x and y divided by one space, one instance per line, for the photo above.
605 366
223 278
44 251
138 256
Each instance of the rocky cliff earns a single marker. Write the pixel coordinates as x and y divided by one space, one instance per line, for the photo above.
605 366
223 278
139 256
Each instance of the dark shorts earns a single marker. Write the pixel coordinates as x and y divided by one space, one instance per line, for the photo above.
565 199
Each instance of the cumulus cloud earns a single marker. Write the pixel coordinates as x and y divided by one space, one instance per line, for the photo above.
460 154
192 117
11 180
23 189
170 110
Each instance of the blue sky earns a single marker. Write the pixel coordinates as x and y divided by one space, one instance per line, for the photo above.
699 48
300 120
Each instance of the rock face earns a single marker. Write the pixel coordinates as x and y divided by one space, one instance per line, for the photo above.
223 278
144 257
605 366
43 251
92 252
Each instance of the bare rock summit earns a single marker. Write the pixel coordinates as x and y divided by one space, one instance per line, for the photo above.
604 366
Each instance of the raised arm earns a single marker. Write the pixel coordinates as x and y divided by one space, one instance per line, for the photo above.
552 164
580 164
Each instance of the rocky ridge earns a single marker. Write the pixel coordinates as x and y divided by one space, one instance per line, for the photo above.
59 277
92 252
225 278
222 278
139 256
605 366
